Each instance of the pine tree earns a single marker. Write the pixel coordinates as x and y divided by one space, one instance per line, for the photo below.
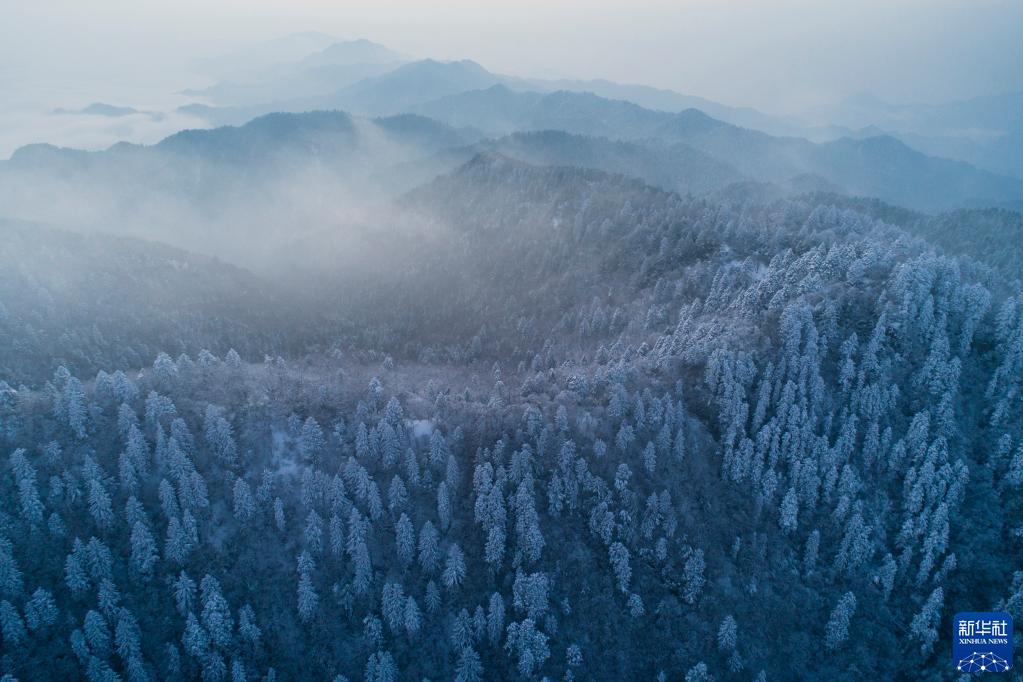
128 641
635 604
789 511
99 504
727 634
97 634
100 671
313 534
307 597
172 662
74 409
244 503
624 438
429 549
650 457
195 638
1014 476
405 540
184 593
561 419
735 664
887 576
530 594
573 656
529 538
374 503
311 441
493 551
233 360
692 576
810 552
248 629
837 629
279 514
128 475
10 574
109 598
454 567
469 668
698 673
381 668
397 495
214 669
461 631
11 625
392 605
216 615
99 560
410 467
924 625
528 645
495 618
433 597
620 565
143 549
363 568
219 435
168 500
412 617
28 494
178 545
75 576
443 505
40 610
165 371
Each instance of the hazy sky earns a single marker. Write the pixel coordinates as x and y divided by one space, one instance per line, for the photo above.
781 55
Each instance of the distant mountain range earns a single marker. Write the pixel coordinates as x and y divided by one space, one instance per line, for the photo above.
318 74
284 159
872 166
265 55
266 147
238 193
393 91
366 78
952 129
314 71
985 131
678 167
669 100
279 182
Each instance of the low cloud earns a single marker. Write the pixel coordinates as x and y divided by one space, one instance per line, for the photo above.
87 131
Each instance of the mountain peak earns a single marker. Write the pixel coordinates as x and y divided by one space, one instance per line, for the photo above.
694 119
349 52
250 138
100 109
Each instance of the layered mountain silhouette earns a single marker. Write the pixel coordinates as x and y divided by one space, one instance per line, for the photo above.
873 166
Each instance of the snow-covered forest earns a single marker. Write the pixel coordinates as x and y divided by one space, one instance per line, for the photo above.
383 397
603 432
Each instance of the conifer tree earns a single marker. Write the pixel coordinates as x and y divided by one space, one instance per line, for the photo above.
837 629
